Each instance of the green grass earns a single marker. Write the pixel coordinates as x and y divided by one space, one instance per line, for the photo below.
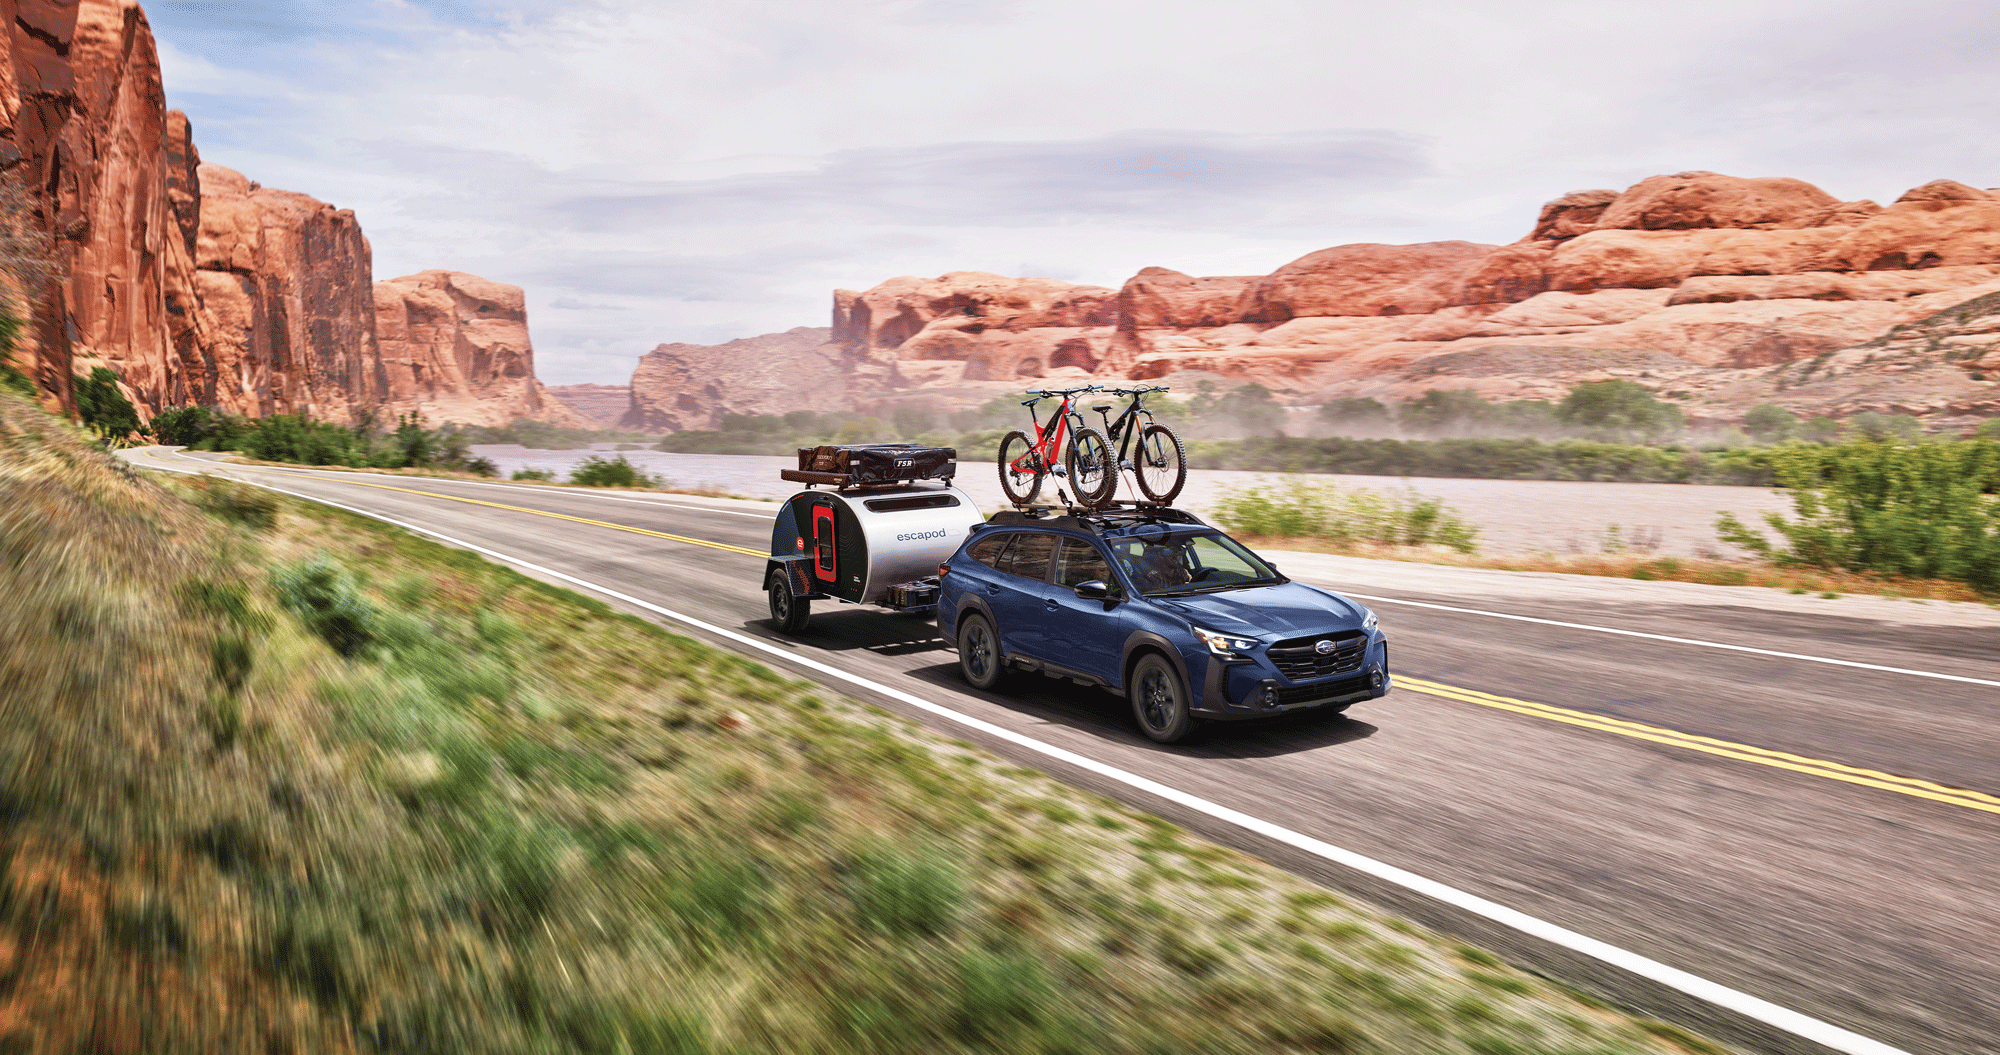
301 782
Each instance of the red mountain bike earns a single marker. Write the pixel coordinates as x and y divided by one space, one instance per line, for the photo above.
1086 461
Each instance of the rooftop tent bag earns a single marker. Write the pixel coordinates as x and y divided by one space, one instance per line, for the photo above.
880 463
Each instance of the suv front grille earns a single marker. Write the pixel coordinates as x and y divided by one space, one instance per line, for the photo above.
1297 694
1298 658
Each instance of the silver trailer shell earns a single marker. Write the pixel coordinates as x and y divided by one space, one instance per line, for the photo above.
898 544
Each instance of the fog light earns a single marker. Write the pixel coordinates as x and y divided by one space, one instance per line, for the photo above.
1270 696
1375 678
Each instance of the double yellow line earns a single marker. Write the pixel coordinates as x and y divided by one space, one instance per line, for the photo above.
562 516
1870 778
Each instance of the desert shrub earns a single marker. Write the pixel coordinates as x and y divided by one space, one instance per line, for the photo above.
1921 510
1298 509
596 471
244 503
533 474
324 597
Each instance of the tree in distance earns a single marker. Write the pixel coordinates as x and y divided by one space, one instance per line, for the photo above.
1770 423
1619 411
103 407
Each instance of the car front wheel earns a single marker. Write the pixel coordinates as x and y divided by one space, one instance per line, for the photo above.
1160 700
978 651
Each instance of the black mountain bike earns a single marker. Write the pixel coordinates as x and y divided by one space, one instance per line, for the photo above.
1160 463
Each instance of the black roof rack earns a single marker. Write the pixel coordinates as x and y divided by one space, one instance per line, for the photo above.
1094 521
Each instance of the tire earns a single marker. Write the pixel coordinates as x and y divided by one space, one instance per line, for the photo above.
979 651
1162 463
1093 472
1160 700
789 614
1019 487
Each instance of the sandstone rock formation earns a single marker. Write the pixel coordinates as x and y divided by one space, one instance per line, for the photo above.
690 386
602 404
1685 282
285 280
454 347
194 283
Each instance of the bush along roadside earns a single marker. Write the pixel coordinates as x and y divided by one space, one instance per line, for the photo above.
1344 517
280 778
1926 511
301 440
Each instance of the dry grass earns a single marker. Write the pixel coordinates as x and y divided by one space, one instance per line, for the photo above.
281 779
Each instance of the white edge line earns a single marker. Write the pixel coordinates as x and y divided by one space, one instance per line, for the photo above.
1682 640
1823 1033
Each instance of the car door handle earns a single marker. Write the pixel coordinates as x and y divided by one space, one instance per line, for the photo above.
1050 604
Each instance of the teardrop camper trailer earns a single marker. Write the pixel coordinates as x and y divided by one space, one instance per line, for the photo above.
888 517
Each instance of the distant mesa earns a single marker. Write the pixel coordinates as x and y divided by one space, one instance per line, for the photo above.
603 405
1696 284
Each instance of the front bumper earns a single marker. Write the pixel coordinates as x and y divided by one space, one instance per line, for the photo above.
1253 688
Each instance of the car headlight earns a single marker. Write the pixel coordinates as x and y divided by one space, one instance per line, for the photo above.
1369 623
1224 644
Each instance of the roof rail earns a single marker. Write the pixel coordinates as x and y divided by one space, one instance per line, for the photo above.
1095 521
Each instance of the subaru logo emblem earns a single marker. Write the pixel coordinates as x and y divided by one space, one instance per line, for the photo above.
1325 646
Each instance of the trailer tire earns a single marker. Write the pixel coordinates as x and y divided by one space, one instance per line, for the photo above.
979 652
789 614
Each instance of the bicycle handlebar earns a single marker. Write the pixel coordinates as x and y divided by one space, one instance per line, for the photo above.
1064 391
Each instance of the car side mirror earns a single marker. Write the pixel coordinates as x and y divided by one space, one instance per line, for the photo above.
1095 590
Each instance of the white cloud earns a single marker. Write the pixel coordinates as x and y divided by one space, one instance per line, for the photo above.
661 170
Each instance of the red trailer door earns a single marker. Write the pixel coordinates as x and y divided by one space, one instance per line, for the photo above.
822 532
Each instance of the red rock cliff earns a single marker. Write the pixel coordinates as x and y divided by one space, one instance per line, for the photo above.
454 347
192 281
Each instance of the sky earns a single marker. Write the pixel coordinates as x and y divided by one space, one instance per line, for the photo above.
653 171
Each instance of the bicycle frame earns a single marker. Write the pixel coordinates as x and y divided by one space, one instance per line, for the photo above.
1122 429
1048 445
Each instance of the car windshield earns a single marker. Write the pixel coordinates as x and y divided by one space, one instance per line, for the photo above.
1174 563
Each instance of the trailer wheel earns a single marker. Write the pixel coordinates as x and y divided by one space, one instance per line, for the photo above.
788 613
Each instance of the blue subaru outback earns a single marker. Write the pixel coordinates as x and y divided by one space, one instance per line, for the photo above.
1158 607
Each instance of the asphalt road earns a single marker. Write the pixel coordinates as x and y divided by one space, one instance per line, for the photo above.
1819 836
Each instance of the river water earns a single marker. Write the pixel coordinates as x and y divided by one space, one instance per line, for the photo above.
1514 516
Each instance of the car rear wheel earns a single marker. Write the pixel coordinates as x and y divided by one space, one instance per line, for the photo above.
788 613
1160 700
979 652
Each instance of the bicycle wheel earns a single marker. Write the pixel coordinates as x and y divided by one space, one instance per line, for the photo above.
1093 472
1021 469
1162 468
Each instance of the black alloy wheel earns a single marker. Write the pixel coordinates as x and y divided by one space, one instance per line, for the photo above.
979 652
1093 472
1160 700
1020 485
1162 468
789 614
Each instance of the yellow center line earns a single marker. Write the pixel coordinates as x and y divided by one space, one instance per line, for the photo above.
559 516
1922 789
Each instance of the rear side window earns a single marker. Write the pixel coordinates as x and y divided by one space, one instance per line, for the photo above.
989 550
1030 555
1080 562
